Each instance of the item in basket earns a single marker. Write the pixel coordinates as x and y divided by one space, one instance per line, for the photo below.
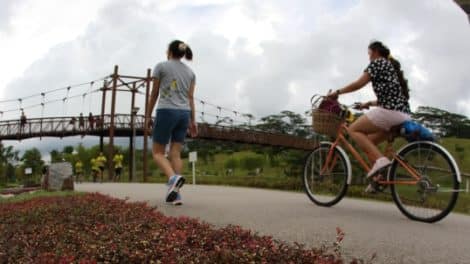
330 105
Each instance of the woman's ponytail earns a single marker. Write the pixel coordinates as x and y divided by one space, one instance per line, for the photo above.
188 54
385 53
401 77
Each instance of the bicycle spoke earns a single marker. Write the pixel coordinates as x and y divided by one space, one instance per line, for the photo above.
435 193
325 183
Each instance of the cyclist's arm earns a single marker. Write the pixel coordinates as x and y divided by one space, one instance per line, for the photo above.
356 85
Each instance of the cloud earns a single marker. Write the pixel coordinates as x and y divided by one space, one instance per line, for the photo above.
7 10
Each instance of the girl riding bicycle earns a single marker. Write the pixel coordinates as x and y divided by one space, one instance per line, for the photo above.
391 107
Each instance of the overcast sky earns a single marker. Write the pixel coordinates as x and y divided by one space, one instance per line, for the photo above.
257 57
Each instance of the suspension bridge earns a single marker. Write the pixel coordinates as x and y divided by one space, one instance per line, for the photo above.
226 124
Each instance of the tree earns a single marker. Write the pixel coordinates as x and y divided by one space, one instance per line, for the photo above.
56 156
68 150
442 122
32 159
8 156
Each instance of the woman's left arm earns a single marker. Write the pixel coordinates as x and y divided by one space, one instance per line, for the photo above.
192 124
354 86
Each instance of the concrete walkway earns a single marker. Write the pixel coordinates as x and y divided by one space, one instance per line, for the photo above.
370 227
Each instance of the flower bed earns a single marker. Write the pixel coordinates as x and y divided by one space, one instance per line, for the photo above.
96 228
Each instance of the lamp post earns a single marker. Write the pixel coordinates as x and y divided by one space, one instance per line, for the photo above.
135 110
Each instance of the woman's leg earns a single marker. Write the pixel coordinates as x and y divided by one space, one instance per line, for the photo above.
378 137
365 134
158 152
175 157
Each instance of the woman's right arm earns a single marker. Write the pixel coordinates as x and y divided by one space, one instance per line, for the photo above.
153 98
354 86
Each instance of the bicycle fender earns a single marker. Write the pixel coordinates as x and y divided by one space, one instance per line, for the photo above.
452 160
346 157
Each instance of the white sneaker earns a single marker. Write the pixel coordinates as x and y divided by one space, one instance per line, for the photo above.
178 201
379 165
174 184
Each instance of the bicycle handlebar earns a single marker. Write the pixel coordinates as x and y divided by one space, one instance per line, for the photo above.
317 97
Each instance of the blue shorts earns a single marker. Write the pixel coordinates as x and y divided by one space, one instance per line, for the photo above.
170 124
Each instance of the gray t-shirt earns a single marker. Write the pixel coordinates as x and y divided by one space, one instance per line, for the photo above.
175 80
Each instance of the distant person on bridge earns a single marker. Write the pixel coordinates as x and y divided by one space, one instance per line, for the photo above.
391 107
91 121
22 122
173 84
81 122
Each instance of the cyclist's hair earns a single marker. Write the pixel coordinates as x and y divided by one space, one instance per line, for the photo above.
384 51
179 49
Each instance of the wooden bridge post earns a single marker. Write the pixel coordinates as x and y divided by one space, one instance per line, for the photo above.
131 138
111 128
103 107
147 90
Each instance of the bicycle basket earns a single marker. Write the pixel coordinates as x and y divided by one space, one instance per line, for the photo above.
326 116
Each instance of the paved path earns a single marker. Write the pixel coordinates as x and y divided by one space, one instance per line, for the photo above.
370 227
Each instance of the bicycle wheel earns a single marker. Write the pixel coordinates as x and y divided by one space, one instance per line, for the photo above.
326 184
436 192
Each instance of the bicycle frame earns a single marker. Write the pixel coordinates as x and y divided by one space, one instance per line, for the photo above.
342 141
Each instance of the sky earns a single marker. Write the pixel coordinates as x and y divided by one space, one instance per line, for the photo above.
258 57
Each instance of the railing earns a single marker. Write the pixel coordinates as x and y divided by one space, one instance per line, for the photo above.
72 125
66 126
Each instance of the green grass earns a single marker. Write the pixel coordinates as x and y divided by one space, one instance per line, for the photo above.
41 193
8 186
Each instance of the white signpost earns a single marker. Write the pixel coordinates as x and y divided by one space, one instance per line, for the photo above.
28 171
193 159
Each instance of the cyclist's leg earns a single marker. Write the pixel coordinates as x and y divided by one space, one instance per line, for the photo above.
360 131
378 137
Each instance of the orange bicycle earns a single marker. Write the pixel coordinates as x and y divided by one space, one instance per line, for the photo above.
424 178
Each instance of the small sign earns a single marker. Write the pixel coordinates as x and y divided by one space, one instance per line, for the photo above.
28 171
193 156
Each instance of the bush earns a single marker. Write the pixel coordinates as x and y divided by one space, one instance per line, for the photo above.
94 228
231 163
252 161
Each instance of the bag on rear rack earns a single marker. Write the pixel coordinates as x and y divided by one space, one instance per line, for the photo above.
413 131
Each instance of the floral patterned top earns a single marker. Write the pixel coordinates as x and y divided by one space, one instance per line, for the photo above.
386 86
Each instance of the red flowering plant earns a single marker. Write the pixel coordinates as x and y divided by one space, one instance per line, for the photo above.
95 228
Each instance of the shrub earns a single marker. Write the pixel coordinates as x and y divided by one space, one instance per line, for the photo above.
231 163
94 228
252 161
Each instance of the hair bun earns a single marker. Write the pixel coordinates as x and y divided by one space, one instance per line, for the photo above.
182 46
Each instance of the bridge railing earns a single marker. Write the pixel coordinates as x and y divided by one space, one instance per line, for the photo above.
74 125
55 126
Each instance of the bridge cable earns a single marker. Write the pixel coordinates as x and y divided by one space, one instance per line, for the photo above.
51 91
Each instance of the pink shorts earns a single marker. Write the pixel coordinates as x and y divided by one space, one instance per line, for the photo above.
386 119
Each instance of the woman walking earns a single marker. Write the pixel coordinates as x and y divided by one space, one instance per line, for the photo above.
173 84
